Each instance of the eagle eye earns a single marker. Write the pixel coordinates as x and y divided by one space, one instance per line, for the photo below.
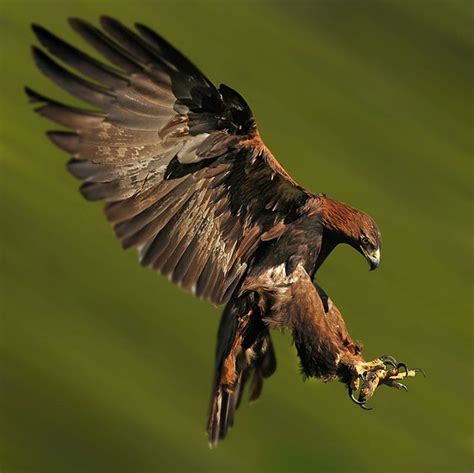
364 240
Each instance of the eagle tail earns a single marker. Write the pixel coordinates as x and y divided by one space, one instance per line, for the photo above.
258 366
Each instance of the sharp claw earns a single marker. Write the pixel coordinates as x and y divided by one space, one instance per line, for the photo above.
419 370
402 365
391 363
388 357
359 403
356 401
401 386
378 374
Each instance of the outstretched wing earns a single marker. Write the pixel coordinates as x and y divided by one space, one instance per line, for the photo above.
186 177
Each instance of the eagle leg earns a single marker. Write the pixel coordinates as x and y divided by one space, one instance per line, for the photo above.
383 370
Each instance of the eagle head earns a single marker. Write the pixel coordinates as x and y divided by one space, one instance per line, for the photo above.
345 224
367 241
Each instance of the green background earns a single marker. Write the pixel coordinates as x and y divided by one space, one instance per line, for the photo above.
106 367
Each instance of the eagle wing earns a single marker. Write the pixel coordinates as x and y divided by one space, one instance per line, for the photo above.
187 180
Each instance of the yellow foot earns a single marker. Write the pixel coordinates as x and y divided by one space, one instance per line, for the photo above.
383 370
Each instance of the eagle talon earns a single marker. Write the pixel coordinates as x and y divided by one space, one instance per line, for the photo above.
367 376
401 386
351 395
395 384
404 366
356 401
419 370
391 363
389 358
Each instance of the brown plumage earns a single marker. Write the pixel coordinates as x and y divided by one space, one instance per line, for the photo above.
189 183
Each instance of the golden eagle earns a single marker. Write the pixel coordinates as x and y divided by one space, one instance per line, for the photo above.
190 184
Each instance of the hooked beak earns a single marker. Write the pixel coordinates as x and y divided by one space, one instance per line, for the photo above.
373 258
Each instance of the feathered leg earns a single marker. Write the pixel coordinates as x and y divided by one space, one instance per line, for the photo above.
358 374
324 345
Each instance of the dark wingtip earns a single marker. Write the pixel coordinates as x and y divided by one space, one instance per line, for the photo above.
43 35
35 27
37 53
141 27
31 94
39 57
72 20
39 30
78 24
106 21
35 97
146 31
107 18
42 60
66 140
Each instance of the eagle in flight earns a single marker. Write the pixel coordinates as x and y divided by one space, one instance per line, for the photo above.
189 183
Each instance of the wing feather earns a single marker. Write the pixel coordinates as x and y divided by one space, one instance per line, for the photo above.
187 180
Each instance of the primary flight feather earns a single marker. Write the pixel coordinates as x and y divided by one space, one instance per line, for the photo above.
190 184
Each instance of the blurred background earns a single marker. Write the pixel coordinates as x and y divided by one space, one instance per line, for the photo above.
106 367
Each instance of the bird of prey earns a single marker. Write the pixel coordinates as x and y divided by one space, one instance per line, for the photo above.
189 183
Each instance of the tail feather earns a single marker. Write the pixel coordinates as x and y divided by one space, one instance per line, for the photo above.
225 401
213 424
264 367
221 414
